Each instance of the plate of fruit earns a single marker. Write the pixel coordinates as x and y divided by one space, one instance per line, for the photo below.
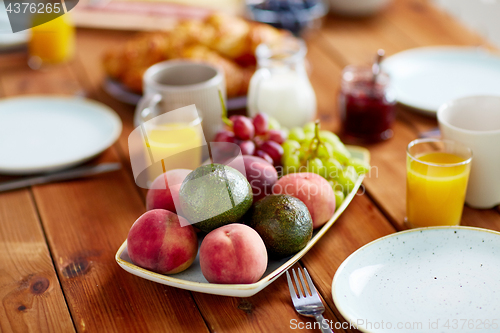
232 228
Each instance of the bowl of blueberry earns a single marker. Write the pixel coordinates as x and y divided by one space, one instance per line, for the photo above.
297 16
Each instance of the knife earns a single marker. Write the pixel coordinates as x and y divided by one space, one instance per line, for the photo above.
83 171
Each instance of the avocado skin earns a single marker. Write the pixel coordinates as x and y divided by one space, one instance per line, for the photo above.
283 222
199 200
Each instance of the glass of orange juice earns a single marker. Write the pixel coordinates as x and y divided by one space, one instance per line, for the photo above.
52 42
437 172
173 140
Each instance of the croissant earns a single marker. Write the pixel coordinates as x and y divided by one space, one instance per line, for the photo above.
224 41
144 50
237 78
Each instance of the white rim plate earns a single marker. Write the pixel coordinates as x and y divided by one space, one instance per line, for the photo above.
43 134
440 275
425 78
192 278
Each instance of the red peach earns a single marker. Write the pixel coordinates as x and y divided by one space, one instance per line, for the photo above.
313 190
162 195
233 254
159 243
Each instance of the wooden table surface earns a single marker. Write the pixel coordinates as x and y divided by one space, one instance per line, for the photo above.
58 241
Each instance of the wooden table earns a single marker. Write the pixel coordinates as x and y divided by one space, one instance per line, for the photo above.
58 241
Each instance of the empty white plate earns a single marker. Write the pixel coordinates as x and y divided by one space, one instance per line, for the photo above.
425 78
441 279
43 134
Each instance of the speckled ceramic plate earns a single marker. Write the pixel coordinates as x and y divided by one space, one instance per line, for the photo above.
427 77
192 278
441 279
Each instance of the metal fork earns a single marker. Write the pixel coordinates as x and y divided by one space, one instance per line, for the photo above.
307 304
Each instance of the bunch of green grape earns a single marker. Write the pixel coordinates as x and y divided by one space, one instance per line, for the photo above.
310 149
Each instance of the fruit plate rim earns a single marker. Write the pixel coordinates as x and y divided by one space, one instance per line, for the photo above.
243 290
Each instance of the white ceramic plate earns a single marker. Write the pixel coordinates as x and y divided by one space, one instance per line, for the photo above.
192 278
425 78
9 40
121 93
43 134
446 278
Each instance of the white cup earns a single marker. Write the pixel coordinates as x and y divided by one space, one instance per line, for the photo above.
178 83
475 122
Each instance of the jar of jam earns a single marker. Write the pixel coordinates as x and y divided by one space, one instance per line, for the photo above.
367 105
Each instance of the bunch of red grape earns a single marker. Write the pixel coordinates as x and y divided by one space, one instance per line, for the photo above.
260 136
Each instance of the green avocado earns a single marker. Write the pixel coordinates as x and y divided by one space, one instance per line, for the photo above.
214 195
283 222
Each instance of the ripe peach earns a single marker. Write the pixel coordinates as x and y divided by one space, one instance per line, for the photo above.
158 242
234 254
313 190
162 194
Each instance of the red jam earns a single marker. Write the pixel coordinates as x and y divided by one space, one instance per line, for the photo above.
367 108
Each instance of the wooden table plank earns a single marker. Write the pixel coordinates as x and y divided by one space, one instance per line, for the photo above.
243 315
102 297
325 78
362 215
32 299
30 294
85 222
356 41
393 31
360 224
271 310
425 24
52 81
384 154
91 46
11 61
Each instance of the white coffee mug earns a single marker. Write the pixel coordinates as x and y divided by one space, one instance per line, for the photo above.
475 122
178 83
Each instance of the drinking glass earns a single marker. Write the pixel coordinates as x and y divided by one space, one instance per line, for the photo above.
367 105
173 140
52 42
436 182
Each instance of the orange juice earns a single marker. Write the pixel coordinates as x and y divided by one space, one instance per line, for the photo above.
435 189
177 144
54 41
